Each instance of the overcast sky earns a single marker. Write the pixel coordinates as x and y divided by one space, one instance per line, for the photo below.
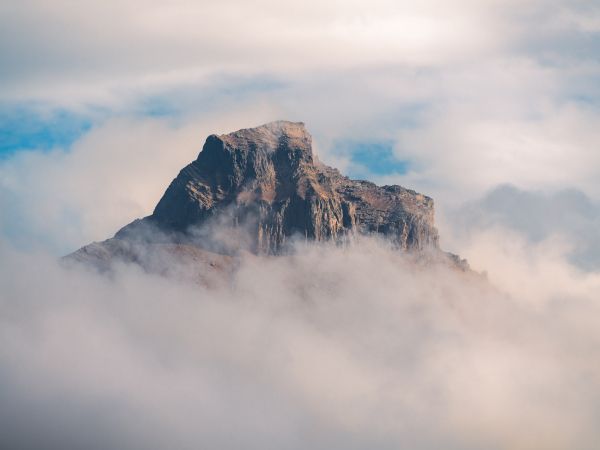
450 98
470 93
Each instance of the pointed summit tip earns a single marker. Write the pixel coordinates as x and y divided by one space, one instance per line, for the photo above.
277 127
271 135
285 127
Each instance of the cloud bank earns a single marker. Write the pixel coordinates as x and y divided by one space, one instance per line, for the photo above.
331 347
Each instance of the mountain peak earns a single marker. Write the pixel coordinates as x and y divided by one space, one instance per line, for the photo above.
269 137
276 129
263 183
266 179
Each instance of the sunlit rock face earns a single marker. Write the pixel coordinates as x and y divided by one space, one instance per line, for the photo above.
268 179
258 189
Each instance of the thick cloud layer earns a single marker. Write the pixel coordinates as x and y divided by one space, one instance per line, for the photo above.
333 347
66 51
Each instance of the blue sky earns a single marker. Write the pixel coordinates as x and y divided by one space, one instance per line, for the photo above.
372 158
26 128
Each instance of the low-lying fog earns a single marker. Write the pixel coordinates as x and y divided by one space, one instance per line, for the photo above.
332 347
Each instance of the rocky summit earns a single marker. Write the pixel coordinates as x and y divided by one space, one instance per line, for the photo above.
257 189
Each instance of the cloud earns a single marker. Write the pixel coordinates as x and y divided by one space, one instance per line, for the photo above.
61 199
113 173
567 215
65 53
471 93
188 39
492 128
332 347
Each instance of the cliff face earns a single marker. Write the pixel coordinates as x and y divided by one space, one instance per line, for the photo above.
266 183
268 179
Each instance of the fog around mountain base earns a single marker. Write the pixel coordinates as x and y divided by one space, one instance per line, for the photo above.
331 347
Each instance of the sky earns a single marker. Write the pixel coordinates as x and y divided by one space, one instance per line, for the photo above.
491 107
449 98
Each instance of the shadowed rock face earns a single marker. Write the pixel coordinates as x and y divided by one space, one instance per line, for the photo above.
266 183
268 179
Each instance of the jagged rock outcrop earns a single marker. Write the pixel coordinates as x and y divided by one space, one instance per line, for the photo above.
267 182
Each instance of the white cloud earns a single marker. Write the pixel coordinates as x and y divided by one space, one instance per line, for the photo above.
473 95
67 52
61 200
464 151
567 219
113 174
331 348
